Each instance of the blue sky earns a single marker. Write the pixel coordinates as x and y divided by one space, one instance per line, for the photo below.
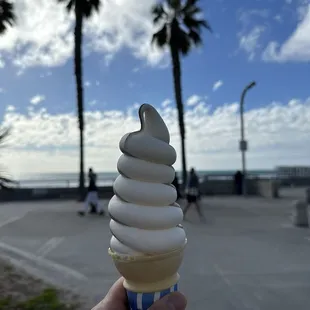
265 41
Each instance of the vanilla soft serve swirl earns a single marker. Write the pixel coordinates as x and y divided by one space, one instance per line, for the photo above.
144 214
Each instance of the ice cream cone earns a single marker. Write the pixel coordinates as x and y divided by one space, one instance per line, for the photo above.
145 220
149 273
148 277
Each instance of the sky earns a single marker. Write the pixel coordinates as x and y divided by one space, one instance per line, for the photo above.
266 41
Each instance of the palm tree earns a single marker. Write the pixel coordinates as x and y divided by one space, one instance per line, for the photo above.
7 15
5 182
180 31
7 19
83 9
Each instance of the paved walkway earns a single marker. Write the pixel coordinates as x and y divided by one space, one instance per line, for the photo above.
247 255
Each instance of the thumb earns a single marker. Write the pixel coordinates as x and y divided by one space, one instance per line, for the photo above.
173 301
116 298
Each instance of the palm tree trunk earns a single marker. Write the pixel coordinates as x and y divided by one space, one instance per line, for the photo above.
179 102
78 38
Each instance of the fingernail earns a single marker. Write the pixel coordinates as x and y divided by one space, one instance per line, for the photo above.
176 301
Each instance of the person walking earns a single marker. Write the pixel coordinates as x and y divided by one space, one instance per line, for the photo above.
92 198
193 194
238 182
175 183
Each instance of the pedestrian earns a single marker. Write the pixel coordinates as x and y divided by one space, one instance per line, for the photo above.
238 182
193 194
175 183
92 198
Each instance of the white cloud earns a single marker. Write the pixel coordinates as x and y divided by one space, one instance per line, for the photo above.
37 99
278 18
108 59
250 42
43 75
296 47
166 103
247 16
20 72
97 83
277 133
302 9
92 102
193 100
10 108
119 24
217 85
2 63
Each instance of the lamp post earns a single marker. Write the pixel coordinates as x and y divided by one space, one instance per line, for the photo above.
243 143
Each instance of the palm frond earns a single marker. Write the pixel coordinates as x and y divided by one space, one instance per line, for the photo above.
184 30
180 39
204 23
190 3
96 4
174 4
158 13
196 24
160 38
70 4
90 6
4 133
193 11
7 15
195 38
5 182
191 7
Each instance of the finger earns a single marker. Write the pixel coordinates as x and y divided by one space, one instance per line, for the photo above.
115 299
173 301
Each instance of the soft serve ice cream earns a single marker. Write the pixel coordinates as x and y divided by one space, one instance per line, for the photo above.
144 216
147 241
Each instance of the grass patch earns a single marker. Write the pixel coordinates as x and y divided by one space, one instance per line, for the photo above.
47 300
20 291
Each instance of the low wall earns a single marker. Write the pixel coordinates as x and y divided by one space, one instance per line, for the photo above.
28 194
261 187
255 187
296 182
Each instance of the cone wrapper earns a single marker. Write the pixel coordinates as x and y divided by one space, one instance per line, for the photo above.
143 301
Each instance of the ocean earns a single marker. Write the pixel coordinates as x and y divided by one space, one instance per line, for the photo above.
50 180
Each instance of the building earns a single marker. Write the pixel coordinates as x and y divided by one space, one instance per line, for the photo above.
293 172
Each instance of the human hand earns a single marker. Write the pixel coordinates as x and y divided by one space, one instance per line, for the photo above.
116 299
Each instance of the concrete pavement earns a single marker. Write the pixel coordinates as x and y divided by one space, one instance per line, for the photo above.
247 255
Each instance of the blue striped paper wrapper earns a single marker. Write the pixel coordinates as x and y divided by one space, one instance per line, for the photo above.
143 301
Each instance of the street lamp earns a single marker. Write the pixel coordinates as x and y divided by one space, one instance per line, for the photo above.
243 143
